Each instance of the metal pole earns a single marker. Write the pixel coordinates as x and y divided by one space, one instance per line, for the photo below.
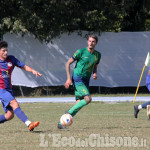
99 90
21 91
139 84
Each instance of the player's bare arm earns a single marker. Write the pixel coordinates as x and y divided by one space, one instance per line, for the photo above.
36 73
69 81
95 72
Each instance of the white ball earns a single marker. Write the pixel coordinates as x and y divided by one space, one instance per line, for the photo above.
66 120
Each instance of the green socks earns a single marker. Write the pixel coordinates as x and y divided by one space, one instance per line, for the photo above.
77 107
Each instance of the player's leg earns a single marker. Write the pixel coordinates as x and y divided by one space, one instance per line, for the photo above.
18 112
21 115
137 108
73 111
79 104
7 116
60 126
5 98
147 105
143 106
78 101
82 93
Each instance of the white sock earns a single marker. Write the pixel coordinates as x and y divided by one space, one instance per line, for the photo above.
140 107
27 122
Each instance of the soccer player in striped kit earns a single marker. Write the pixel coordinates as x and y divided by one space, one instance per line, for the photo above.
87 61
10 104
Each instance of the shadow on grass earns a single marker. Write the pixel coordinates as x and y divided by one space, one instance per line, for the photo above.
37 132
88 128
113 128
47 131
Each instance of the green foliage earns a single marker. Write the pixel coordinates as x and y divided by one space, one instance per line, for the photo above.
50 18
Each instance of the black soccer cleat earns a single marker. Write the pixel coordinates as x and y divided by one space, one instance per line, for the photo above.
136 111
60 126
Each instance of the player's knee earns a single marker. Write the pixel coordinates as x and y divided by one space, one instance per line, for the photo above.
9 115
14 104
88 99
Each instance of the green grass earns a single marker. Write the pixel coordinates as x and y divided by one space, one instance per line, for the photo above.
107 119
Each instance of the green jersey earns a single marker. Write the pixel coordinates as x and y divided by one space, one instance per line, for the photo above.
85 62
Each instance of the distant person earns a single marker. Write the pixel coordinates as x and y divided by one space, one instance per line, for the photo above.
87 61
10 104
137 108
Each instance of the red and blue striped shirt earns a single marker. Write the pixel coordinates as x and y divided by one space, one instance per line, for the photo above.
6 68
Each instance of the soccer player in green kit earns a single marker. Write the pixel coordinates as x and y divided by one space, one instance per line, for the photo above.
87 61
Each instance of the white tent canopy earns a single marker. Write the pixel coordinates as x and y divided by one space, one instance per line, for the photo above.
123 57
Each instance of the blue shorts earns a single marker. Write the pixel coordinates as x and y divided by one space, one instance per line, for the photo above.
6 96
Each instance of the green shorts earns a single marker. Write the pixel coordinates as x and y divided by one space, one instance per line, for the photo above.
80 90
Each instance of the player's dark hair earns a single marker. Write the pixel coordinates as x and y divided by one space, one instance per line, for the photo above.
3 44
94 37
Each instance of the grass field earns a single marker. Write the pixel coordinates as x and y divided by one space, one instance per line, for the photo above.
111 122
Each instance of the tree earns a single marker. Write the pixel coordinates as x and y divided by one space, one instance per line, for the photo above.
50 18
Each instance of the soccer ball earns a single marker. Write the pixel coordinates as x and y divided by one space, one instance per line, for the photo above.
66 120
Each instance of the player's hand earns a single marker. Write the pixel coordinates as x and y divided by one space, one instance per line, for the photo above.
94 76
68 83
36 73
